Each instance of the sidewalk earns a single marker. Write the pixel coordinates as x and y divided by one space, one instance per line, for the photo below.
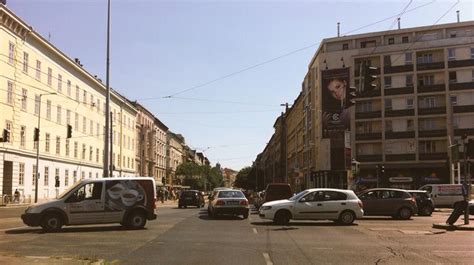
168 203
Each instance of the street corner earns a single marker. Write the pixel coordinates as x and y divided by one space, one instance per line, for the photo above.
461 227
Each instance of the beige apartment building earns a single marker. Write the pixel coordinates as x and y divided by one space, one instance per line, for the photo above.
39 81
175 156
160 150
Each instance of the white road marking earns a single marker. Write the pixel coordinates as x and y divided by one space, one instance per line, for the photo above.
323 248
267 258
453 251
254 230
14 228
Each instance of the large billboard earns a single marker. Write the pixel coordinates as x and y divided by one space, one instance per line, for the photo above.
336 117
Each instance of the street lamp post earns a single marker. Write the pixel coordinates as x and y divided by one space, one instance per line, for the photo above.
38 146
106 172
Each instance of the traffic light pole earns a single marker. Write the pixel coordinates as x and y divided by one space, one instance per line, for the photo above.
466 183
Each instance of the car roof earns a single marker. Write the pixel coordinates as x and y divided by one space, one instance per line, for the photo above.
328 189
389 189
417 191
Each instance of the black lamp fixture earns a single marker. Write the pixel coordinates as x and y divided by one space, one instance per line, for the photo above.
326 64
343 64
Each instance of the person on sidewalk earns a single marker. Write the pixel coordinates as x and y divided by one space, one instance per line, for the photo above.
16 196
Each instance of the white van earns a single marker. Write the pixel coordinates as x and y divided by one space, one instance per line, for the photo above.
444 195
128 201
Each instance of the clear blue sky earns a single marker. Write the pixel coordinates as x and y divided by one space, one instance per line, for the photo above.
162 47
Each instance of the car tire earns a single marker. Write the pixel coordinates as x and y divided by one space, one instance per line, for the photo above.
246 215
136 220
282 217
346 218
52 222
426 211
185 206
404 213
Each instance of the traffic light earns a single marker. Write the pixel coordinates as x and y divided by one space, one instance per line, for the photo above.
351 94
69 131
369 74
36 135
57 182
470 148
6 136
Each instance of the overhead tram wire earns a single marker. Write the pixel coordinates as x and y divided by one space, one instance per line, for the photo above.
399 15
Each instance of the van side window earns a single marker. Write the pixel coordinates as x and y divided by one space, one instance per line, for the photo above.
90 191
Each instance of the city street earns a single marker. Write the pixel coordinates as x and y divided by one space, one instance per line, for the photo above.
185 236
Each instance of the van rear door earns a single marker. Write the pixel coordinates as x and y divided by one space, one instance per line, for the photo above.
86 204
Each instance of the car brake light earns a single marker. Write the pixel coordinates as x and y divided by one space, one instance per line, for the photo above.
361 205
220 203
244 202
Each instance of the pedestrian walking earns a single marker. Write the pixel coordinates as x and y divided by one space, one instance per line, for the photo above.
16 196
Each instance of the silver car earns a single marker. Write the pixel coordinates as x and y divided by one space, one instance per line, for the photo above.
228 202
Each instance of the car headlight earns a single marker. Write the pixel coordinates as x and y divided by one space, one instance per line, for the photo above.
265 208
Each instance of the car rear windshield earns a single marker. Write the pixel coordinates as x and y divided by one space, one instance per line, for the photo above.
189 193
230 194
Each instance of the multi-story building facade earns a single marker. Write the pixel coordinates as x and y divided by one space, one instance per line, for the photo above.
160 150
175 145
146 142
38 81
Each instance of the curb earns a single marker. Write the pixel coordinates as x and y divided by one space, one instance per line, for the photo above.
462 227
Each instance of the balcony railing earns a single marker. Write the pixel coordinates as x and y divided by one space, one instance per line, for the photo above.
432 133
464 131
463 108
461 86
433 156
357 71
431 88
400 157
399 112
369 94
430 111
368 136
399 91
429 66
460 63
369 114
398 69
399 135
369 158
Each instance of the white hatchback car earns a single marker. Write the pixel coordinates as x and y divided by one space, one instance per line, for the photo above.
342 206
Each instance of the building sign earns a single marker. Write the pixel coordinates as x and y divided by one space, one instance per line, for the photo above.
400 179
336 117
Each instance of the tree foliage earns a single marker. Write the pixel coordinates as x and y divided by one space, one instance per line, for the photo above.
199 177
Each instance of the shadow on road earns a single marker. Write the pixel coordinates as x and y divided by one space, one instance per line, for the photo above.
316 223
76 229
383 219
220 217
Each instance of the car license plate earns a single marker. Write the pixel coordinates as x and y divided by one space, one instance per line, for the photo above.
232 202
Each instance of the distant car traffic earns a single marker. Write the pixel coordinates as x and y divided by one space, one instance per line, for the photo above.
388 202
423 201
191 198
342 206
228 201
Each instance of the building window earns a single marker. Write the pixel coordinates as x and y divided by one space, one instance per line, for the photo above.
97 155
47 142
83 156
452 77
425 58
83 175
21 174
387 81
345 46
452 34
24 97
67 147
9 92
428 102
84 125
387 60
427 125
84 98
58 145
59 114
472 74
25 62
428 147
68 117
76 121
405 39
98 129
74 176
22 136
388 126
37 104
409 80
91 152
410 102
50 76
367 44
453 99
60 83
451 54
426 80
38 69
77 93
408 58
472 53
410 125
68 88
46 176
33 180
11 52
92 101
48 109
98 105
91 127
76 146
388 104
66 177
90 175
56 174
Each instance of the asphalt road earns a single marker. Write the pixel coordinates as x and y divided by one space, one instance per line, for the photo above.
188 236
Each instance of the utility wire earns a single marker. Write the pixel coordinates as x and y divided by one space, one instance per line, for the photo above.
399 15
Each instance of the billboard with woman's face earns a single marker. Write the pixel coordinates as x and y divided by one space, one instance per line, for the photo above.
336 117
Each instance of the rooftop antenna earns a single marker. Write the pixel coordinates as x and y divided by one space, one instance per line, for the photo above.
398 22
459 19
338 31
49 36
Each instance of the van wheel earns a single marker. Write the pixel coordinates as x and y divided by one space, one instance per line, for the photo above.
136 220
346 218
52 222
404 213
426 211
282 218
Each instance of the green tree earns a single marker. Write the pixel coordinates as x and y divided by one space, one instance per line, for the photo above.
243 178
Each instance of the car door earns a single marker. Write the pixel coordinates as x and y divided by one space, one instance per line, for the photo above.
311 206
334 203
86 204
371 202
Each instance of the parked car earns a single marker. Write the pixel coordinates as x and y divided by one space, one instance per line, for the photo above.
388 202
444 195
423 202
191 198
338 205
277 191
128 201
228 201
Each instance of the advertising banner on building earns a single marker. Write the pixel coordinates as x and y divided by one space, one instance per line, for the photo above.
336 117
